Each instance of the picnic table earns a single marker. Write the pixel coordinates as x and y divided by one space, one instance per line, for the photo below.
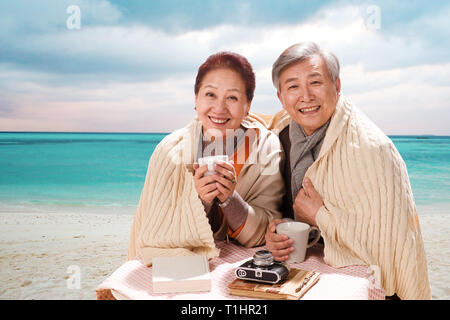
133 279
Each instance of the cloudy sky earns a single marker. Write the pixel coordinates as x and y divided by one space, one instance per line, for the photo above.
130 65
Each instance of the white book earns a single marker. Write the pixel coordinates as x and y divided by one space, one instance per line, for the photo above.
181 274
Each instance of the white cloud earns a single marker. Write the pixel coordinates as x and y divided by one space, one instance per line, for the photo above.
159 106
412 100
138 79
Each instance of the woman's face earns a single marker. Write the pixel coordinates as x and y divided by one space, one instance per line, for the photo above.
221 102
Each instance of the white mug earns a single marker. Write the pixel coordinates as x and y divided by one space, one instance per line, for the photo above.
299 232
211 161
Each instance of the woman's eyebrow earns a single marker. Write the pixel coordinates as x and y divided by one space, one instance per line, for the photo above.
210 86
214 87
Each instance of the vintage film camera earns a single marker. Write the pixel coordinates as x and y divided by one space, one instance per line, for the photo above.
262 268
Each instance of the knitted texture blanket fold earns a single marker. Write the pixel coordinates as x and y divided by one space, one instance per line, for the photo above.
369 216
170 219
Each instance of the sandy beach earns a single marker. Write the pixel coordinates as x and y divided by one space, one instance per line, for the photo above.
42 255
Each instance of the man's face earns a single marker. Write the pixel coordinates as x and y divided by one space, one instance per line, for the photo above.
308 93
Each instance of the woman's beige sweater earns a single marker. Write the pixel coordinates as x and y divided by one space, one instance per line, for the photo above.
369 216
170 218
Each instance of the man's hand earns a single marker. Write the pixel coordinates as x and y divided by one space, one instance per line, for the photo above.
307 203
279 244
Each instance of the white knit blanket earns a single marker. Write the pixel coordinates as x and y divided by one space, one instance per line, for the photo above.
170 219
369 216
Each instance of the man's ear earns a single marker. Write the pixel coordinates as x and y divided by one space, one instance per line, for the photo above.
338 84
280 98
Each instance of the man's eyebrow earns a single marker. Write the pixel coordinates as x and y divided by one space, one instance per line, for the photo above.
290 80
314 74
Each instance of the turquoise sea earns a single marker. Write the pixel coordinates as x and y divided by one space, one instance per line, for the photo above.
105 172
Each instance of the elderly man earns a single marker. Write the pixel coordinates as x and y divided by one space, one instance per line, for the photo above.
345 176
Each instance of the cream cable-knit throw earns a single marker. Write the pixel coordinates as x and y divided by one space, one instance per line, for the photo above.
164 220
369 216
170 219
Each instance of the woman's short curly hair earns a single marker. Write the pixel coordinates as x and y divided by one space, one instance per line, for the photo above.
228 60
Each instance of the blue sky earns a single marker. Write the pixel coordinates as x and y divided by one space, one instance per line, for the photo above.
131 66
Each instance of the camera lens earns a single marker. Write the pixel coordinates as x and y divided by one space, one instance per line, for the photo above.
263 258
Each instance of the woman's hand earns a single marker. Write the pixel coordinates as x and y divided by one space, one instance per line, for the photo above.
205 185
225 180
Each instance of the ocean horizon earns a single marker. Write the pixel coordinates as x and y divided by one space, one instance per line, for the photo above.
105 171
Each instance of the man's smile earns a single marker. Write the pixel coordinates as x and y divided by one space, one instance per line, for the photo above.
309 110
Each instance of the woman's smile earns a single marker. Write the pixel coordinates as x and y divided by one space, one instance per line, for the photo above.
218 121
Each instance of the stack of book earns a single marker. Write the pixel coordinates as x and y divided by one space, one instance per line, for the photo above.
293 288
181 274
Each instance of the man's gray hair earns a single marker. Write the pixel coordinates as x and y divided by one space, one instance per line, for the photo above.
302 51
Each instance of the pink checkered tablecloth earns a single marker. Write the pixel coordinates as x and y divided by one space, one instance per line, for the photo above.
133 280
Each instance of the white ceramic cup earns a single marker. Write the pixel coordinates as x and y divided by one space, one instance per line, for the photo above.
299 232
211 161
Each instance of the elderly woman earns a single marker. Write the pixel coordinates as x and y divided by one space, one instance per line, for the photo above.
182 209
